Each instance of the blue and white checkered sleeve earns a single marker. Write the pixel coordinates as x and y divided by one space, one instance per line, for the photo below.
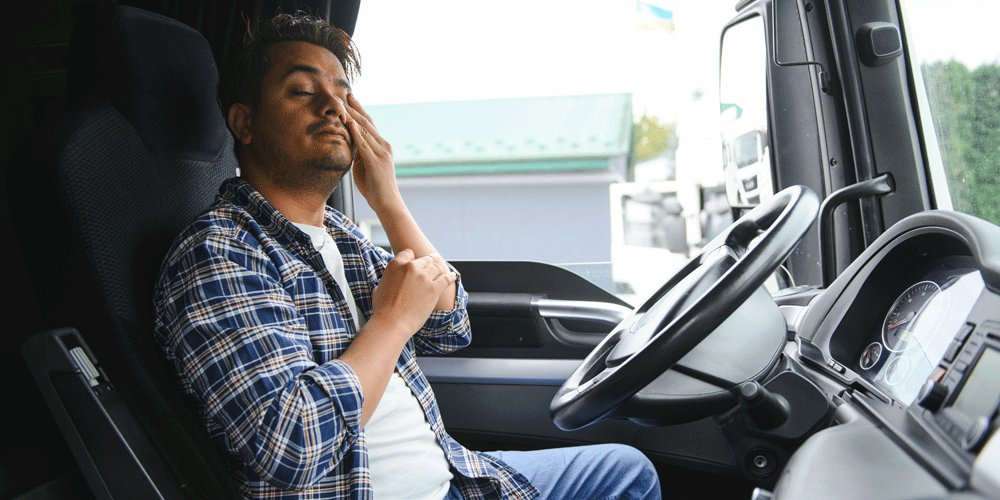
241 348
446 331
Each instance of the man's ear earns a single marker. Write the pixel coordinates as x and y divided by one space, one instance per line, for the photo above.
239 122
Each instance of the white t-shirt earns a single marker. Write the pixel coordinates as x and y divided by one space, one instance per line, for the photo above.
404 458
326 247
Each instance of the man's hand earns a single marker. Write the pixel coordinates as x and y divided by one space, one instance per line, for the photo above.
374 171
375 176
409 290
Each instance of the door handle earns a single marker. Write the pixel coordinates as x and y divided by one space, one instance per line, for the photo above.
601 312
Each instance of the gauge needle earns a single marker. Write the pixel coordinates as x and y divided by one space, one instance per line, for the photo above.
900 322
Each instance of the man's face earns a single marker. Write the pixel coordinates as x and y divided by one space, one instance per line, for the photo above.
297 137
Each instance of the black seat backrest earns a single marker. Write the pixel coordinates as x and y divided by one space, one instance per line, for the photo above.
98 198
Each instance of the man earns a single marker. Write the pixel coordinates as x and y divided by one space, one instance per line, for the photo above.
297 337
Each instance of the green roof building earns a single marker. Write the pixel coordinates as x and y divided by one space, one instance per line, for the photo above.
509 179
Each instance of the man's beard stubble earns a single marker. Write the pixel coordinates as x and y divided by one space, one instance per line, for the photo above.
308 175
330 164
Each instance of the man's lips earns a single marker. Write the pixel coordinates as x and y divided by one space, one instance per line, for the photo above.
334 132
326 129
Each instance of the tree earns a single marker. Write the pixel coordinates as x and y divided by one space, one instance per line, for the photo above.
650 138
983 136
966 110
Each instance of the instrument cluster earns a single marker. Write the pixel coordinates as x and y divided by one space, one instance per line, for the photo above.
908 345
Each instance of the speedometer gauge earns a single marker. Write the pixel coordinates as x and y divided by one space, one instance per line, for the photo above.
896 330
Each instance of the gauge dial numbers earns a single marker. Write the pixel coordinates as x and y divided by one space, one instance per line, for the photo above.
897 330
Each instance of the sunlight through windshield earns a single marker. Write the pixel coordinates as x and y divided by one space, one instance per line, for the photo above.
578 133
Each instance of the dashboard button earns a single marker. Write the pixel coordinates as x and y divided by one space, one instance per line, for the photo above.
949 355
964 332
966 356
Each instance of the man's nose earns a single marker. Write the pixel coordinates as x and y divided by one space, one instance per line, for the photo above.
334 106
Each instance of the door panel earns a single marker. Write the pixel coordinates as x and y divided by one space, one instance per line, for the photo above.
532 324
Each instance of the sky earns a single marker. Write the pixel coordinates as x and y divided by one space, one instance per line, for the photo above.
526 48
444 50
453 50
963 29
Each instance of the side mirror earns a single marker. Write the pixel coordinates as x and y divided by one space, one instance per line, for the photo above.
746 150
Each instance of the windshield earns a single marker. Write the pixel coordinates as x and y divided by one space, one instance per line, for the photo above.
958 87
579 133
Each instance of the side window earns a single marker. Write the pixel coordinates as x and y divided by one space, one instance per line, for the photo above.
957 77
581 136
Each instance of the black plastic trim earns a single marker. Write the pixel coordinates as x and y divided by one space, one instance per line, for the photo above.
857 116
116 458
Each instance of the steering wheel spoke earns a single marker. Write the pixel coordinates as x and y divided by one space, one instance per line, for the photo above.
706 377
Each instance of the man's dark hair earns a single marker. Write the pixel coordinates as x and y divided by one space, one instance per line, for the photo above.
242 79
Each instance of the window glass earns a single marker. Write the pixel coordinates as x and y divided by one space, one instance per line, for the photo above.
579 133
953 44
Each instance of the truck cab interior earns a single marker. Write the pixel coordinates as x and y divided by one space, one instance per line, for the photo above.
839 339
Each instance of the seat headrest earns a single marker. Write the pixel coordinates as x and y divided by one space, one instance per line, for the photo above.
159 73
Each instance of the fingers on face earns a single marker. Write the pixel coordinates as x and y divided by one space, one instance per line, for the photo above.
353 103
357 114
362 137
366 125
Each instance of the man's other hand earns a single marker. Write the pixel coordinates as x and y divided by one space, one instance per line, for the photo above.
409 290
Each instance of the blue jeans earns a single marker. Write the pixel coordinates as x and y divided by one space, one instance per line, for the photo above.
598 472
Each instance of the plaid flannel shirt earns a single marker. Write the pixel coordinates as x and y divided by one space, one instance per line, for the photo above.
253 323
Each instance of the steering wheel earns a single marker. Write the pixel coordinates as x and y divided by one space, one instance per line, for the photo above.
693 304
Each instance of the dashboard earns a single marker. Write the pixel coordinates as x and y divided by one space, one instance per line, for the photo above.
909 339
